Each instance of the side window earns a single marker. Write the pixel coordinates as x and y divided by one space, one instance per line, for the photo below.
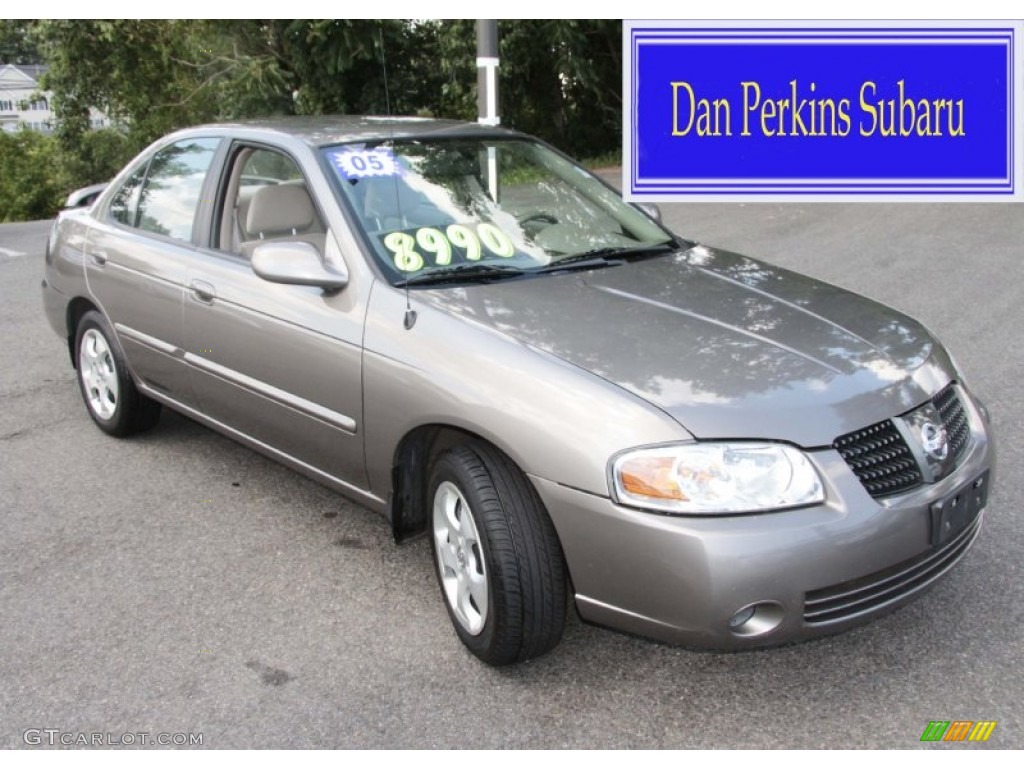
126 201
266 167
268 199
170 196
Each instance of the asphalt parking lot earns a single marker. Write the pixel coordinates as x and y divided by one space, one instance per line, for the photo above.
179 583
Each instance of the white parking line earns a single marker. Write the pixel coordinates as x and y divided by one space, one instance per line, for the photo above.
7 253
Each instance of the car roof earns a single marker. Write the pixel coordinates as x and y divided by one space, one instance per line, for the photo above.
335 129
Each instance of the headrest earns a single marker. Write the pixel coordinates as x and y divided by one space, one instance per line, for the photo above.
280 208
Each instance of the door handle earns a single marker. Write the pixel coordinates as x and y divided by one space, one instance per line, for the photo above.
99 258
203 291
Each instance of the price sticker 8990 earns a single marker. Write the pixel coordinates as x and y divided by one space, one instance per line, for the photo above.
456 240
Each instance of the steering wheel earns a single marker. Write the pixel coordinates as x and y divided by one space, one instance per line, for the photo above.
533 222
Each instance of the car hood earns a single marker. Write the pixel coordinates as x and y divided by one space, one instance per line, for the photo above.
728 346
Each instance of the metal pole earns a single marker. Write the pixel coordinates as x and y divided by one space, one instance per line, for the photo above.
487 71
487 91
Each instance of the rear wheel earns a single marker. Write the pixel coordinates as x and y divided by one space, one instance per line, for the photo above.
110 395
498 560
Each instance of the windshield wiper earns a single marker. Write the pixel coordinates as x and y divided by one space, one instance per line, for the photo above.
481 272
601 257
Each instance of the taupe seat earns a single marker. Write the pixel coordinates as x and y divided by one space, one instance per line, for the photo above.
282 212
241 215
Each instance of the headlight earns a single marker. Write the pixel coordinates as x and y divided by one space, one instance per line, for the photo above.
709 478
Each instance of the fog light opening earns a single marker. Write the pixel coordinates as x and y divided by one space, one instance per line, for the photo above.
741 617
756 619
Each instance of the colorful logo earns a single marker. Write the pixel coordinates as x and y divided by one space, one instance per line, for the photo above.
958 730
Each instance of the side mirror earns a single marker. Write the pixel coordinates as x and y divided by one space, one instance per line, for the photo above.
651 210
84 197
296 263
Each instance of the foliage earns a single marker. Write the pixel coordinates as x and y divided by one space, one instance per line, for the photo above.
559 79
36 173
98 156
17 45
141 73
31 179
340 66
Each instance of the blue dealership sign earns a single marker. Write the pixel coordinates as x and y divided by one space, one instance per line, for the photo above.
823 111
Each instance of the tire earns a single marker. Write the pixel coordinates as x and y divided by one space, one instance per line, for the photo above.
110 395
498 561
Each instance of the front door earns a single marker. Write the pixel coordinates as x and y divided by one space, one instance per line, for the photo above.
280 364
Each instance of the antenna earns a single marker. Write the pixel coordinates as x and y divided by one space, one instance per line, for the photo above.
410 313
384 68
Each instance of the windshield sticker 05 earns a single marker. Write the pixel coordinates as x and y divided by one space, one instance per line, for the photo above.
359 163
460 241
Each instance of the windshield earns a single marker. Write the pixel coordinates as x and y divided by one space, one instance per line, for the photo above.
431 205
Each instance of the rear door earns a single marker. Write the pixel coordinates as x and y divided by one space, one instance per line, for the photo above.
137 260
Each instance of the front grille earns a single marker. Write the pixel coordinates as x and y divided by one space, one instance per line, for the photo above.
880 458
954 419
868 593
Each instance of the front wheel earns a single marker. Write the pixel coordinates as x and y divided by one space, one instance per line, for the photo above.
498 559
110 395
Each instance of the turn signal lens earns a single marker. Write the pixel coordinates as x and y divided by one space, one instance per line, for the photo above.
650 476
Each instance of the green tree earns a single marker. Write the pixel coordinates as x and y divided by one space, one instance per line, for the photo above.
136 71
338 66
98 156
31 179
17 43
559 79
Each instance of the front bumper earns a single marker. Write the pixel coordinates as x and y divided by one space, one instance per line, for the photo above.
681 579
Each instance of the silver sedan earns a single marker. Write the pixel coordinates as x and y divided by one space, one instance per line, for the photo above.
462 329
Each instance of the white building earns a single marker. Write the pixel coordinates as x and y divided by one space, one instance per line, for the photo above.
23 104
